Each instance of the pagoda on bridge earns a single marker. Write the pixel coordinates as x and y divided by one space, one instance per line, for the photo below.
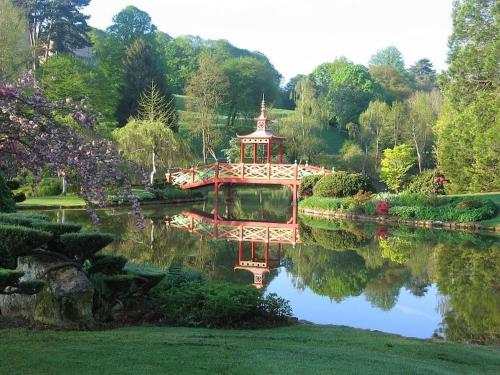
262 136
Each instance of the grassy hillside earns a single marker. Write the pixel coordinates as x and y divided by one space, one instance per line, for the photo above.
303 349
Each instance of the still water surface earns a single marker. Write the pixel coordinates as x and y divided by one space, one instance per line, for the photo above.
413 282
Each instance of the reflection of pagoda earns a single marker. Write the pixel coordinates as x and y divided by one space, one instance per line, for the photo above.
264 239
258 266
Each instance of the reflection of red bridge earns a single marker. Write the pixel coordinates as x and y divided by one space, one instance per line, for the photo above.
258 234
233 230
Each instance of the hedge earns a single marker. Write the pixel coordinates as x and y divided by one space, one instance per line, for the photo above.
39 222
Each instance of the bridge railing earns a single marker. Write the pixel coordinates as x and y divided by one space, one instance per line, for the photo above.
241 171
236 231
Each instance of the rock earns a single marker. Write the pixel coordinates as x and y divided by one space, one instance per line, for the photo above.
66 301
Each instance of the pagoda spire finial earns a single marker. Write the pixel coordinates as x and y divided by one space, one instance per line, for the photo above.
263 105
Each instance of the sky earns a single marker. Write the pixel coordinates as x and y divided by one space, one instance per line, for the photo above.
298 35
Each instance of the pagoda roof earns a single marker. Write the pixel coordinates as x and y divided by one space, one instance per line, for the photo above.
262 131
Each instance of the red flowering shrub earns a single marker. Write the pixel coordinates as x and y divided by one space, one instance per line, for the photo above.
381 233
383 207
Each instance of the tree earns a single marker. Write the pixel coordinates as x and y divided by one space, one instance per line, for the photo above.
206 92
181 59
55 26
147 143
350 91
425 75
374 123
473 51
131 24
64 76
34 135
141 66
149 139
395 166
389 56
287 100
14 53
423 111
306 120
397 84
249 78
467 132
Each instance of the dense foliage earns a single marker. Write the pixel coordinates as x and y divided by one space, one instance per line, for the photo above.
342 184
467 131
307 184
196 302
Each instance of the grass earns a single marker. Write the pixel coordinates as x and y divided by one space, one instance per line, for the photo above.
303 349
53 201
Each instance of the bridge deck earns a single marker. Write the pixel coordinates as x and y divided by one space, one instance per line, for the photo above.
241 173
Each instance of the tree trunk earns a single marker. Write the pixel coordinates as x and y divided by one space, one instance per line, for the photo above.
153 171
204 151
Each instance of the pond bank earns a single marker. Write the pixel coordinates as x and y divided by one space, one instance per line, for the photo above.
300 349
394 220
47 203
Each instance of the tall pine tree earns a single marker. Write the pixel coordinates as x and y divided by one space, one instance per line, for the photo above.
141 67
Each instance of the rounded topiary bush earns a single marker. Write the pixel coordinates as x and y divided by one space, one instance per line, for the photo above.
84 245
342 184
307 184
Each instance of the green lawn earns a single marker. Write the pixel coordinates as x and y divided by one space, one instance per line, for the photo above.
53 201
495 197
301 349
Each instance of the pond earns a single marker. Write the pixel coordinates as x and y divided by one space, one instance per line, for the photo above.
407 281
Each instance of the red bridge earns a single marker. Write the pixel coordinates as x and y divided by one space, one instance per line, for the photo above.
263 169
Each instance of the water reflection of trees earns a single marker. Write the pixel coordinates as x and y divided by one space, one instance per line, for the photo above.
339 260
161 246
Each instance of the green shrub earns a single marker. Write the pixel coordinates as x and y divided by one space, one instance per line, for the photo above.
342 184
84 245
170 193
370 208
417 199
9 277
19 197
18 241
13 184
307 184
31 286
123 286
48 187
210 304
448 212
7 203
469 203
423 183
108 264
